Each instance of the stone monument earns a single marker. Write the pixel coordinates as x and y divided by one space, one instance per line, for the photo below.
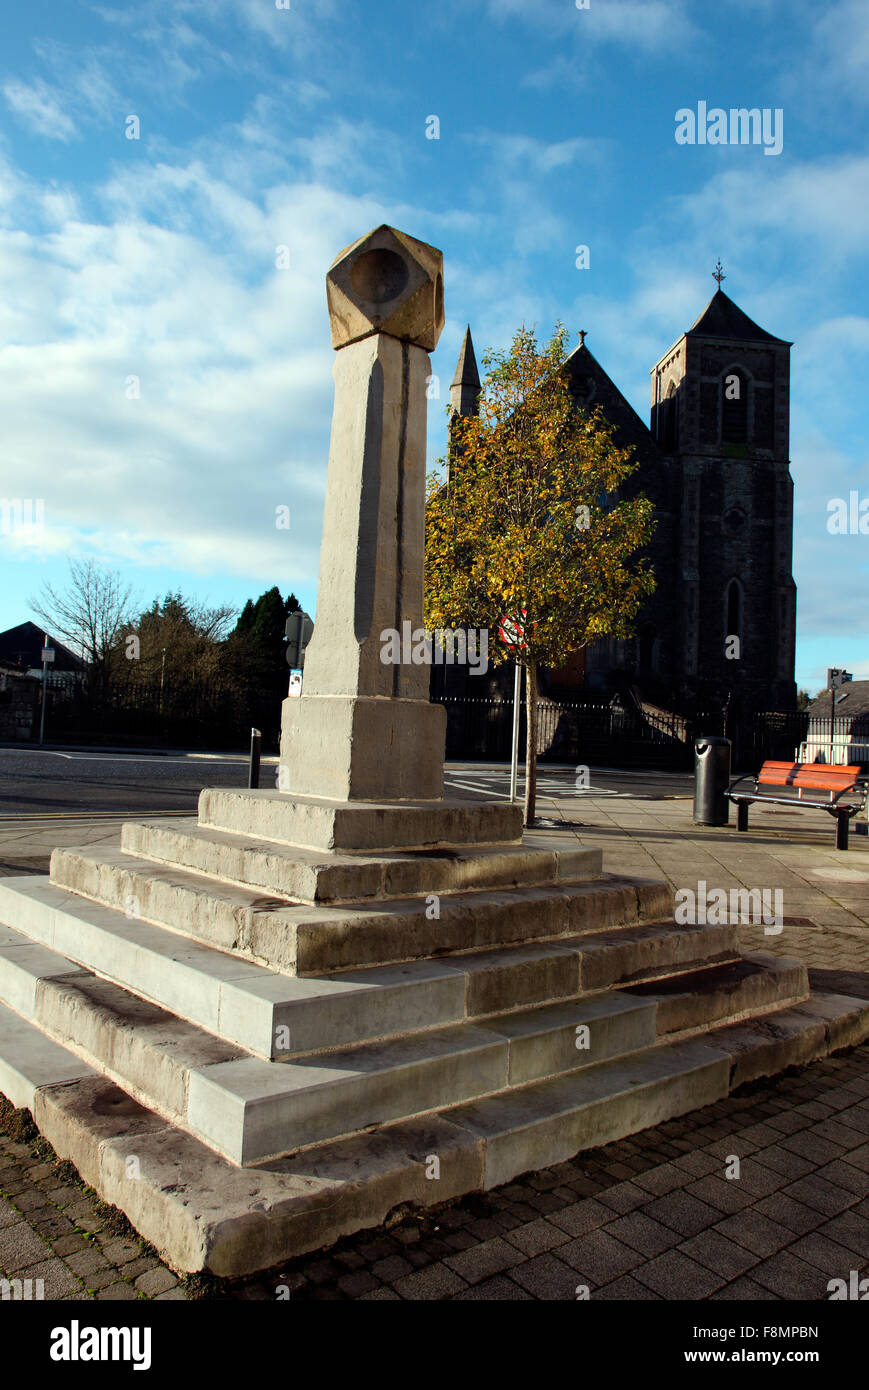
363 729
260 1031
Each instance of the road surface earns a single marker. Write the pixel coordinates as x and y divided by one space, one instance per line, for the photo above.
48 784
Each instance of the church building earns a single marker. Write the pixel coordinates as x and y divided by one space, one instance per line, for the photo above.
721 624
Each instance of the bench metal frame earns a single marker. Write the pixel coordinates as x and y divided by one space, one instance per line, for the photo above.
842 812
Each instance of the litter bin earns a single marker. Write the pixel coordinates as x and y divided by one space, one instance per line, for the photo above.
711 779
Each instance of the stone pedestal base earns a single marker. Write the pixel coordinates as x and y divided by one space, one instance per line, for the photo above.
355 749
360 827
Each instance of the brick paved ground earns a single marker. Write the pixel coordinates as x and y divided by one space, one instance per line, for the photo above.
651 1217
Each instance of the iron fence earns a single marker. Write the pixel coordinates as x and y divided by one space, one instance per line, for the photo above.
219 714
612 735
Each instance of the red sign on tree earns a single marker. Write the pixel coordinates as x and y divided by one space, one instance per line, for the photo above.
512 631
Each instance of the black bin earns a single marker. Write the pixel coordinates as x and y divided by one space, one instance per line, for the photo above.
711 779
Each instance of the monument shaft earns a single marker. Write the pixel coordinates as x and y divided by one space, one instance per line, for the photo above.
363 728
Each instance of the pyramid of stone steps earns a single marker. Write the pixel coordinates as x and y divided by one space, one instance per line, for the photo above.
253 1047
260 1032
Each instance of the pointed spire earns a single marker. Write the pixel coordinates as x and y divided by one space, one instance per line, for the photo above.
466 367
465 385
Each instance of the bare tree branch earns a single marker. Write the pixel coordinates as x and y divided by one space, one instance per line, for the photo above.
90 613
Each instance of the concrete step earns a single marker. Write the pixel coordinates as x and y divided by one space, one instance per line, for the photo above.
308 876
29 1061
728 991
203 1212
317 823
791 1037
247 1004
249 1109
303 940
278 1016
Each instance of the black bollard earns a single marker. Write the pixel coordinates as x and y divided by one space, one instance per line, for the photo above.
255 744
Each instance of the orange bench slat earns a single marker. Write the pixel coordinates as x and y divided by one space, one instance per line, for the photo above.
814 776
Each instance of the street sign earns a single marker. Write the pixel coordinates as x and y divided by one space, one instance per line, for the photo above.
47 654
299 630
836 678
296 682
512 631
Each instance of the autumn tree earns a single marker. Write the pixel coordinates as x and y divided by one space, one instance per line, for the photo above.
530 524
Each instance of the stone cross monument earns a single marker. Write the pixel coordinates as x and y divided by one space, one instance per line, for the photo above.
364 729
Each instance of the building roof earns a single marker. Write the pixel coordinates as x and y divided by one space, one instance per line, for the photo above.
466 367
854 704
21 646
590 386
723 319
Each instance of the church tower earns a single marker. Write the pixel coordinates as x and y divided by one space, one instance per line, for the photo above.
720 406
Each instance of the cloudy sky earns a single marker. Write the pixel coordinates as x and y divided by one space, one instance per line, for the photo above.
302 127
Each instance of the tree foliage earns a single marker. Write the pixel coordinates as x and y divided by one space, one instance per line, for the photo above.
178 654
531 523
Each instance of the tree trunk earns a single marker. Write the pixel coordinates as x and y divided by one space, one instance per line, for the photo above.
531 742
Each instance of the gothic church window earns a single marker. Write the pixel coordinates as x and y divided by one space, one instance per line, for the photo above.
734 407
669 432
734 610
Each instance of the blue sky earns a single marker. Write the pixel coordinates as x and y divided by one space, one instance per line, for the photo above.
304 127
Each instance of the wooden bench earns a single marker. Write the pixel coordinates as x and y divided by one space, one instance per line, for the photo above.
837 781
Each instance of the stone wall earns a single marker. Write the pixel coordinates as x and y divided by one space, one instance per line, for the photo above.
19 706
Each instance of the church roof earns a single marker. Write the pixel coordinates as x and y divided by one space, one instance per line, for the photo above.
466 367
723 319
590 386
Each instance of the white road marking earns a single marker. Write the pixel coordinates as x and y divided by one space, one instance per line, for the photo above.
122 758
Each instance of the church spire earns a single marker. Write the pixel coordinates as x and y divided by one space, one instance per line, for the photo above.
465 385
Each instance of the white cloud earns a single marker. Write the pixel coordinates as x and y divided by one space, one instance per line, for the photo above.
840 47
38 106
531 155
176 284
648 25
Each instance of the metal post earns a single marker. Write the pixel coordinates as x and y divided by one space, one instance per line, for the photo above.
44 679
255 744
514 757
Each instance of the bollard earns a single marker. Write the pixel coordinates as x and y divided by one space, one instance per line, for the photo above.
255 744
